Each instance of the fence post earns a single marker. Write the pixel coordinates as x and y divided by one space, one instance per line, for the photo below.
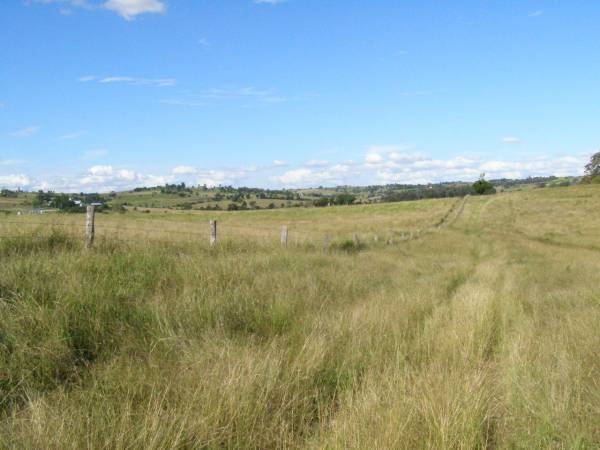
355 239
89 226
213 232
284 236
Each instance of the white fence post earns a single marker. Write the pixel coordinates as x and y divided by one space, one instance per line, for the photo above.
284 236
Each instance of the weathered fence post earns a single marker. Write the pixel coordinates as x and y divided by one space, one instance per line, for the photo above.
355 239
284 236
89 226
213 232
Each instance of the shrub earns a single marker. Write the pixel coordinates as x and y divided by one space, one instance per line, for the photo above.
483 187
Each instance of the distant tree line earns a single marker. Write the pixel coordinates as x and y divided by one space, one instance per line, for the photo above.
9 194
342 199
426 192
72 203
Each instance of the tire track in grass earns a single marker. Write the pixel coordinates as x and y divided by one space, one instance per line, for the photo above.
447 220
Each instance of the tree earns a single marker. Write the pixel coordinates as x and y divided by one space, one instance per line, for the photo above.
345 199
592 169
483 187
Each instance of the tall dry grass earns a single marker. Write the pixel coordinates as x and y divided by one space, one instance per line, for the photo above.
483 334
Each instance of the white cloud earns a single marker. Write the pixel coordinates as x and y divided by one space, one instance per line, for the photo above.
102 178
393 166
417 168
278 163
12 162
129 9
152 82
294 176
184 170
126 174
537 13
101 170
511 140
373 158
25 132
204 42
220 177
305 177
14 181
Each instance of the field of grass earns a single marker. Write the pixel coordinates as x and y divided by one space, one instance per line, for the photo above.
483 333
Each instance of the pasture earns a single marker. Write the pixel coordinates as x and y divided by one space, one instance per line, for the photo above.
481 333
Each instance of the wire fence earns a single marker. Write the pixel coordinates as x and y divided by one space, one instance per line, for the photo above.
100 226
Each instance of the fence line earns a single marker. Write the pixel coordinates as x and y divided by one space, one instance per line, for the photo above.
91 225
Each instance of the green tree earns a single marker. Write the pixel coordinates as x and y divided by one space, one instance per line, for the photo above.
483 187
345 199
592 168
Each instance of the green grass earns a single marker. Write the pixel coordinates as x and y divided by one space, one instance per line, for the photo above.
482 333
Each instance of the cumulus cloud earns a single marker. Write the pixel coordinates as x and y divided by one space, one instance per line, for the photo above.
306 177
129 9
14 181
511 140
393 164
184 170
278 163
396 164
373 158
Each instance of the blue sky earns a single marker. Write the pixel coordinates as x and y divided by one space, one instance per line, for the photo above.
99 95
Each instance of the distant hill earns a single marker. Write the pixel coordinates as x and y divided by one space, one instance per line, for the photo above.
183 197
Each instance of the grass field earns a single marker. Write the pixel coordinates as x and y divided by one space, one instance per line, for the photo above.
484 333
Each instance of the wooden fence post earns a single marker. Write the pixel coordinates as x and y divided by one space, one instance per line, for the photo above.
284 236
213 232
89 226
